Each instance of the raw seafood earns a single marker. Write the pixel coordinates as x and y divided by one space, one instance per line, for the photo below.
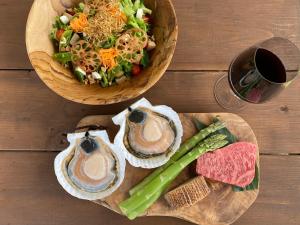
154 135
91 167
149 135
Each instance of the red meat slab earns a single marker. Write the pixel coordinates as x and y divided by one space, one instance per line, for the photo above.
233 164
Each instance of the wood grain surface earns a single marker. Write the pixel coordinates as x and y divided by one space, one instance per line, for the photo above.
211 33
13 16
30 195
33 117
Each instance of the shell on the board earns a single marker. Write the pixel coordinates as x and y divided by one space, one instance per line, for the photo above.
91 168
149 135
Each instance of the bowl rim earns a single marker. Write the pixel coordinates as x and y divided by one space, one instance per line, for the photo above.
114 99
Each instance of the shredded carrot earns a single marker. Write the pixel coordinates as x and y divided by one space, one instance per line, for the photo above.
108 57
123 17
116 12
78 24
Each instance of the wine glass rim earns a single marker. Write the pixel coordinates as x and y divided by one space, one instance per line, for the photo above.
258 46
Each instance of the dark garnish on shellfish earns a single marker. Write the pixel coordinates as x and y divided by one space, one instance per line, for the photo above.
137 116
89 144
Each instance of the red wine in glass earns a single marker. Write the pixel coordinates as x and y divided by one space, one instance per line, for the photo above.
258 73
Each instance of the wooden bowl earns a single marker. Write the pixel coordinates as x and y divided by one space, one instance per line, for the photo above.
40 50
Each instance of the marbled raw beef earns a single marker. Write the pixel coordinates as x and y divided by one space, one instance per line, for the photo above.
233 164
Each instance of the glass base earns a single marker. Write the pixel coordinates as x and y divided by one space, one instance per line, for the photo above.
225 97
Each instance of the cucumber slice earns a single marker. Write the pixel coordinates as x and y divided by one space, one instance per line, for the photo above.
80 74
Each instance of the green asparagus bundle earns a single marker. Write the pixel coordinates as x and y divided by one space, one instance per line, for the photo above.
184 148
141 209
144 198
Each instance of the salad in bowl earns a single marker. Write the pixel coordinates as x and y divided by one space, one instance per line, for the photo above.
100 52
104 42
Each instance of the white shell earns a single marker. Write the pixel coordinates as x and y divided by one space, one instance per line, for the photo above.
156 161
65 181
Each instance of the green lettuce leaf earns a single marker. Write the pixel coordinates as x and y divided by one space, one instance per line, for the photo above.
110 42
230 137
145 61
63 57
130 9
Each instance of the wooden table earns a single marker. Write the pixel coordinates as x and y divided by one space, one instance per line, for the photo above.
212 32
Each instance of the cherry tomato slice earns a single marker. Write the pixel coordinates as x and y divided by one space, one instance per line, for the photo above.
136 70
147 19
59 33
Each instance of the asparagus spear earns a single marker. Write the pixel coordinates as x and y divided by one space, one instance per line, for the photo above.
141 199
141 209
184 148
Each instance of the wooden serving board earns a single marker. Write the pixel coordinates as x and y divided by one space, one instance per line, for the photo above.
220 207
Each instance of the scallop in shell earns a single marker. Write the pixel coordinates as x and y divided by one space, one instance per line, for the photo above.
149 135
91 167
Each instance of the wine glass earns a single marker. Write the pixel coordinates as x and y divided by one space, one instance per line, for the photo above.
258 74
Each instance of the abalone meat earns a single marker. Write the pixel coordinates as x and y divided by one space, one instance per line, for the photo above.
91 167
149 135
